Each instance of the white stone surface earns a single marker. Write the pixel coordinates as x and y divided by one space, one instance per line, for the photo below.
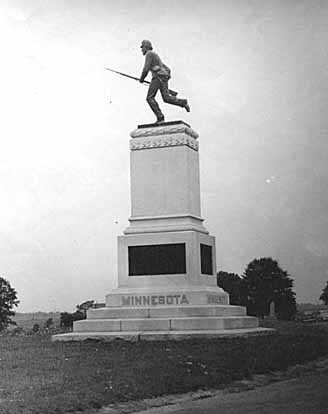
196 311
191 324
240 323
181 295
146 325
117 313
193 276
135 336
165 131
165 181
97 325
165 312
165 209
166 324
164 224
174 140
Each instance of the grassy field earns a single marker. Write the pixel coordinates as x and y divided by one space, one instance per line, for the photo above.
38 376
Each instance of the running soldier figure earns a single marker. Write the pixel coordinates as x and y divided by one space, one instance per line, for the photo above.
160 77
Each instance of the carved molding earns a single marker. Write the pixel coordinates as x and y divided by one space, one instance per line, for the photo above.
164 130
163 141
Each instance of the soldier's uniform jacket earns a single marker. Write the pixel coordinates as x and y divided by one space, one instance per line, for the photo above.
154 64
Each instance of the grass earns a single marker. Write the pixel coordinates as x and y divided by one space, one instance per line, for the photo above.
38 376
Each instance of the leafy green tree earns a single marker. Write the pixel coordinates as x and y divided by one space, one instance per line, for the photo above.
264 281
8 299
324 294
232 284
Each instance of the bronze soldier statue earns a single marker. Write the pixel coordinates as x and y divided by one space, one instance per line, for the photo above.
160 77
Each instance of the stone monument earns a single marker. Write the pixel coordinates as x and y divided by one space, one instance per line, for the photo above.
166 258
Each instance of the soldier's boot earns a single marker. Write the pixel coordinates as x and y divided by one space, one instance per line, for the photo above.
186 106
160 120
155 108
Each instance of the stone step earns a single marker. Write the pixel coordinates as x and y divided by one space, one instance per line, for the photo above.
165 324
180 296
165 311
161 336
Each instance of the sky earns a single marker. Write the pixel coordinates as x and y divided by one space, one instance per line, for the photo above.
255 73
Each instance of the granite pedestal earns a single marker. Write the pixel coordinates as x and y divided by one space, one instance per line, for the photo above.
166 258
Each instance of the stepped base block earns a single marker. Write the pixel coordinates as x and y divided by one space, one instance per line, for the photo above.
163 322
169 296
164 311
160 336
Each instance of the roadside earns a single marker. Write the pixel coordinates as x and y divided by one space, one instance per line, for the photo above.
293 379
303 395
39 376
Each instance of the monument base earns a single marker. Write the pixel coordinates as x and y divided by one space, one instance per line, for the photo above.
167 285
144 314
159 336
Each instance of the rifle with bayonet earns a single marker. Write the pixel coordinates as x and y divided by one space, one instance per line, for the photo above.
174 93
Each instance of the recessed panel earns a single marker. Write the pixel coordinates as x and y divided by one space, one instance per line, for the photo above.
206 259
157 259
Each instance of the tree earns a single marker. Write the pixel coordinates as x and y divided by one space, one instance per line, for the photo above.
264 281
324 294
232 284
8 299
48 323
83 307
67 319
36 328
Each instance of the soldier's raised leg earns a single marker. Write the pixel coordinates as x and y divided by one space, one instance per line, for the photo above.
173 100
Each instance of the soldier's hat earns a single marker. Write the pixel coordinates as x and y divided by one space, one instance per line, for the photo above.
147 44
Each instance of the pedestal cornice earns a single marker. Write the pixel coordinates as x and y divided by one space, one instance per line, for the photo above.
169 128
162 141
164 224
163 135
